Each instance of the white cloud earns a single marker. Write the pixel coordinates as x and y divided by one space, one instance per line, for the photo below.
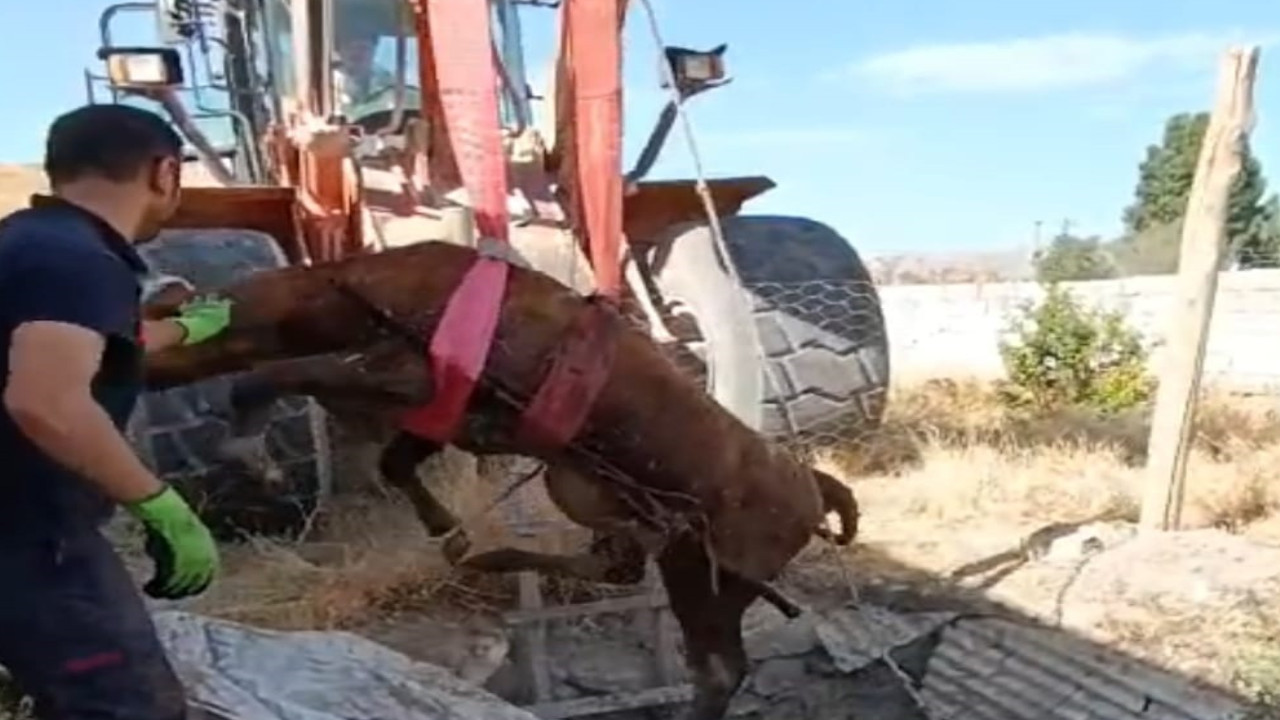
1040 63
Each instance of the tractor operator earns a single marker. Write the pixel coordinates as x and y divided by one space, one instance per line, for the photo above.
74 632
360 78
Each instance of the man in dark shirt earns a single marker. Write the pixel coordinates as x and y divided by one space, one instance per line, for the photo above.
74 632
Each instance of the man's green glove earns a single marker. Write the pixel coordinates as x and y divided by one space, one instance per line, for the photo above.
202 318
185 556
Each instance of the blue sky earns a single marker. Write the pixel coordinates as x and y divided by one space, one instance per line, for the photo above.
933 125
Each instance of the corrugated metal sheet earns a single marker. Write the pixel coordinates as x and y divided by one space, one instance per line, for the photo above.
984 668
855 638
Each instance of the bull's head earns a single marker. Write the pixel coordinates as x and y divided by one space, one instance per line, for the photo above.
162 295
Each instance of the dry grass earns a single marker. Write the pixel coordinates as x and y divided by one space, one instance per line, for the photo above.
955 477
17 182
366 553
362 553
367 556
951 453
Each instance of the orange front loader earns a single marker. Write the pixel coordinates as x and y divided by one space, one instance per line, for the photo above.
348 126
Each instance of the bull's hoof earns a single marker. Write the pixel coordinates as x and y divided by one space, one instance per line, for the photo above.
456 546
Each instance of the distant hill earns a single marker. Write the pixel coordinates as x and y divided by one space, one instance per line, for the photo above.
952 267
17 182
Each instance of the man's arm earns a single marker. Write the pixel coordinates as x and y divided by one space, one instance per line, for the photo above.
47 393
65 300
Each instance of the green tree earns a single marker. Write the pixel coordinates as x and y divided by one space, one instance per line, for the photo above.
1164 183
1073 258
1260 246
1165 174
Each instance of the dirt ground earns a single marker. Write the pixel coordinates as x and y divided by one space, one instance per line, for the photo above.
960 498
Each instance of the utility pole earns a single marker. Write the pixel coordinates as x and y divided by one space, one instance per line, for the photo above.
1203 243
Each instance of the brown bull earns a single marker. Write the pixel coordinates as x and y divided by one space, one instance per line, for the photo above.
659 468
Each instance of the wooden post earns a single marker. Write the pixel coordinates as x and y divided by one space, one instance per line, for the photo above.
659 628
1203 244
531 646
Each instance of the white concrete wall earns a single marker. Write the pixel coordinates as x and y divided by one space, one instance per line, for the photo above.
954 330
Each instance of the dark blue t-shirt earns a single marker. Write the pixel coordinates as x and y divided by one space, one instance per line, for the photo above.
62 263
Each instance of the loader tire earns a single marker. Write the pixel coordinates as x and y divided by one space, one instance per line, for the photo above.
799 350
178 430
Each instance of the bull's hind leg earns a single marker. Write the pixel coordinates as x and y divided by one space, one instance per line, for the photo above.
617 552
711 621
398 466
378 377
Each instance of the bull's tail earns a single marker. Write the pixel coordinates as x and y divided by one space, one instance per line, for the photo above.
837 498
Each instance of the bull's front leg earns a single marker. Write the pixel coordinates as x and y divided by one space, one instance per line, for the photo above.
398 466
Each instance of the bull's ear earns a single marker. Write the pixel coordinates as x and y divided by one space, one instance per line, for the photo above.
155 283
163 295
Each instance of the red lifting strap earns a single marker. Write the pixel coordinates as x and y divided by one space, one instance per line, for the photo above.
592 43
468 83
593 38
560 407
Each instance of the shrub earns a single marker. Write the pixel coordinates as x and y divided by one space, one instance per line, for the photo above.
1065 354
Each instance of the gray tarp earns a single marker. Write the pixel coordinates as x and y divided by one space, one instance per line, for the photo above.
245 673
831 665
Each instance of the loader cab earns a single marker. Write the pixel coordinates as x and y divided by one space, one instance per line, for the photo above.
252 65
375 73
371 48
244 66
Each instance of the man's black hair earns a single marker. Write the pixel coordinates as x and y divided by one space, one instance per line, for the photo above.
114 142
